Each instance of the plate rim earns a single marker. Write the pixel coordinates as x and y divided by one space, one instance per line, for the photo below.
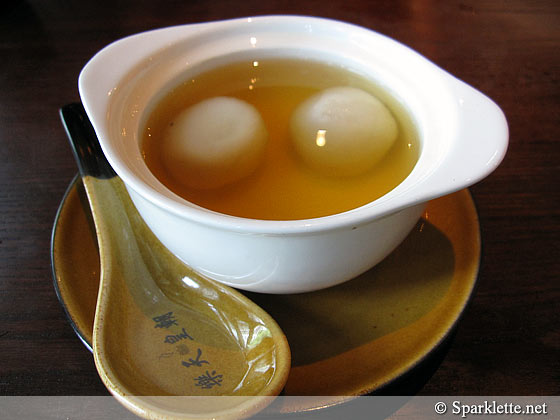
446 337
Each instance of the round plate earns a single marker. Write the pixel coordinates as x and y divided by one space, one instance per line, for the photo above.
357 338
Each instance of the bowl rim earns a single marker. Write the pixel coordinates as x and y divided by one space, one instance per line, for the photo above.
402 196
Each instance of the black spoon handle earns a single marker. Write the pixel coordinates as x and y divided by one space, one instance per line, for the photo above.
85 145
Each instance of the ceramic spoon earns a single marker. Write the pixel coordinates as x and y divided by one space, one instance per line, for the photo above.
163 335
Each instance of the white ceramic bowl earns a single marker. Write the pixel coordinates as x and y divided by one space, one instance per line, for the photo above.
463 137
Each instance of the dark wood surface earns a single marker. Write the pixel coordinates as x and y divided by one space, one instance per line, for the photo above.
509 340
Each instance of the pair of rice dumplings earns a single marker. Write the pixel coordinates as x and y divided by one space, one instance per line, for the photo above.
339 131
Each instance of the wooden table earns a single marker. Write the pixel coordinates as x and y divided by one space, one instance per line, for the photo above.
509 340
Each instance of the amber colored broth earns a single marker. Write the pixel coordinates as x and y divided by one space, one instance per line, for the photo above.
283 187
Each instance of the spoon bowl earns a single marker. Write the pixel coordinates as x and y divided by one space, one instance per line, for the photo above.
165 338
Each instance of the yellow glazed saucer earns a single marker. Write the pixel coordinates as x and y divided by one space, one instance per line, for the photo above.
357 338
